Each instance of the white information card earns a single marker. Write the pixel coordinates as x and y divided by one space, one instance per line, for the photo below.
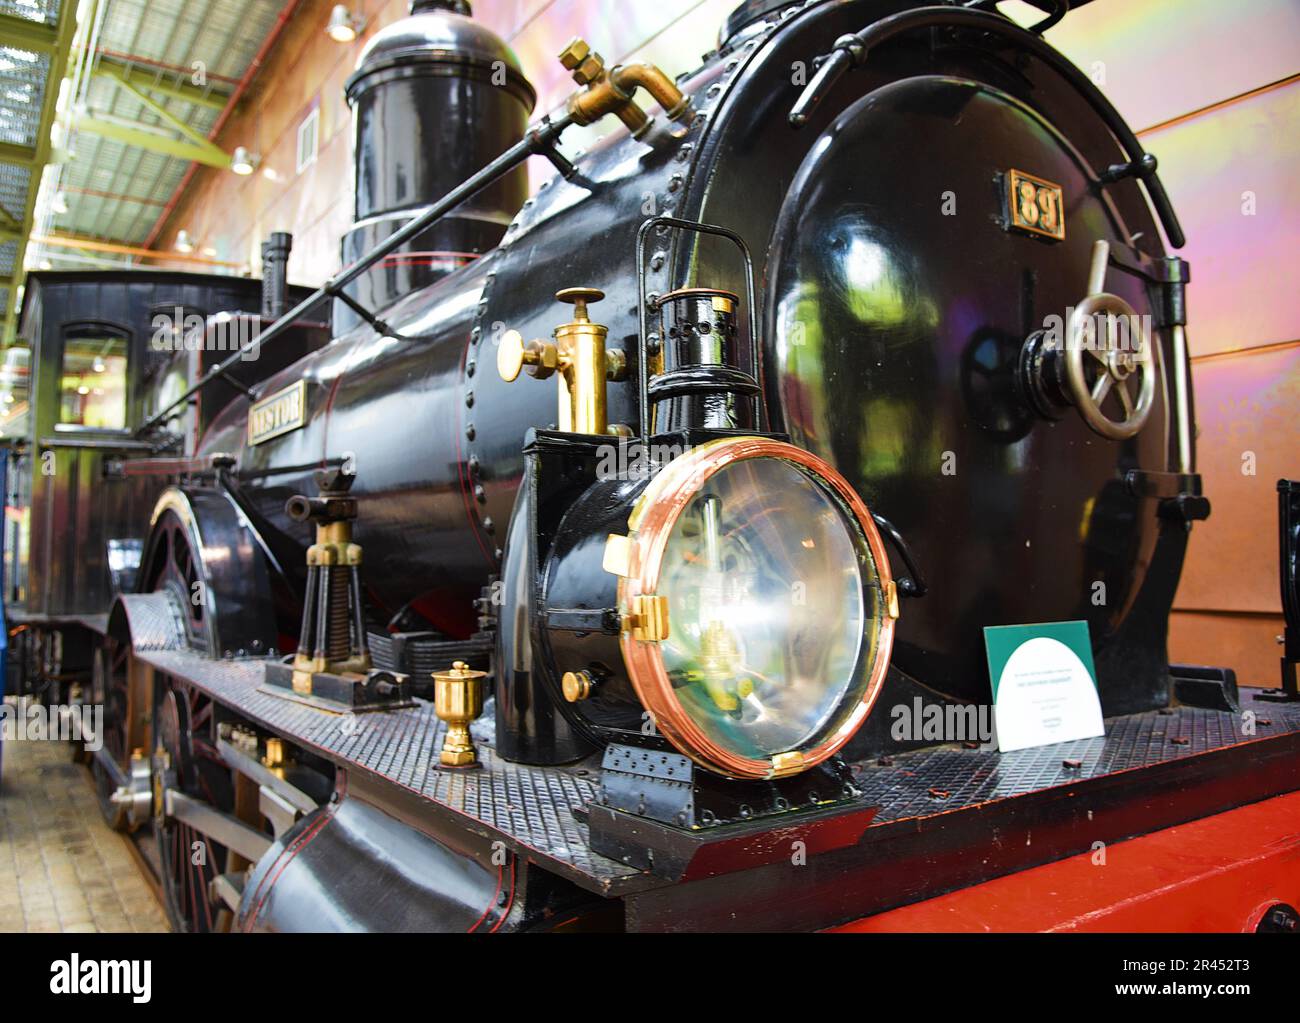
1044 684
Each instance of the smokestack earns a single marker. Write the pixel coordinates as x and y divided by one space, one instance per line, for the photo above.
435 98
275 275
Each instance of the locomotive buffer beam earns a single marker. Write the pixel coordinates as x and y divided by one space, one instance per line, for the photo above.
661 813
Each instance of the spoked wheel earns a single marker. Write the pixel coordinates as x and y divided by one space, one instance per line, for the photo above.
186 760
109 689
173 568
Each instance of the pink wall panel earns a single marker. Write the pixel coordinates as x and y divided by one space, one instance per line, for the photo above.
1166 58
1243 265
1248 408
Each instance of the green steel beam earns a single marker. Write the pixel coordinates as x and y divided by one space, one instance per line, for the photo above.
195 136
7 221
212 156
139 78
8 234
25 34
11 152
40 154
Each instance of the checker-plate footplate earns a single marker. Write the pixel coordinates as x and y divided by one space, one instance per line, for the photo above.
532 807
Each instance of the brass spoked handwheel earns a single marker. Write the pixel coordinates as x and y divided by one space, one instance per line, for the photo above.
1110 359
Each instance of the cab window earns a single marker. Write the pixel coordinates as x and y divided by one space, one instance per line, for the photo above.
92 382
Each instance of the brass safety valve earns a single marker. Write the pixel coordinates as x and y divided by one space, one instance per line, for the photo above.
579 355
611 92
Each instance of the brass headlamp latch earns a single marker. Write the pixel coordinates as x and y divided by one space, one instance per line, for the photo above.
578 353
612 91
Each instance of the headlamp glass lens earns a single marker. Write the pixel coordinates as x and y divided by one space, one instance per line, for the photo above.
773 602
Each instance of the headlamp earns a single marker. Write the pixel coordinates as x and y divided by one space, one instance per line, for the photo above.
755 609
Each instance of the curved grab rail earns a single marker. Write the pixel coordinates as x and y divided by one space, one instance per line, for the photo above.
851 51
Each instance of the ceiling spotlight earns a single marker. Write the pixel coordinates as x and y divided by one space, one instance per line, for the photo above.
242 161
344 25
60 204
46 264
183 242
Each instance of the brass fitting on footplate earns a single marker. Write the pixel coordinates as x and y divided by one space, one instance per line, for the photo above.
458 700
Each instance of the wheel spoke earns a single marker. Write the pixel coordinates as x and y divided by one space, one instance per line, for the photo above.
1101 389
1125 399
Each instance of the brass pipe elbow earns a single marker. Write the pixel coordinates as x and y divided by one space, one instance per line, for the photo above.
629 77
612 91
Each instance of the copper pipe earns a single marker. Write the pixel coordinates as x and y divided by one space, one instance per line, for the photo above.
629 77
613 93
636 120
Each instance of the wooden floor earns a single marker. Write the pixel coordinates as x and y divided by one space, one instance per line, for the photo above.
61 868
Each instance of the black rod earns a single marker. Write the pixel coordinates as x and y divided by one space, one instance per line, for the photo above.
320 651
305 646
361 643
538 142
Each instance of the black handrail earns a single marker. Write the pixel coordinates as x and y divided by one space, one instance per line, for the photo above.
851 51
540 141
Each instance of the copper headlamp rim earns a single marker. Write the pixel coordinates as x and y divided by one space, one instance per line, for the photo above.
651 524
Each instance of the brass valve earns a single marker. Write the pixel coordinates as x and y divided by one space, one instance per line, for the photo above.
611 91
577 685
579 355
586 65
541 357
458 700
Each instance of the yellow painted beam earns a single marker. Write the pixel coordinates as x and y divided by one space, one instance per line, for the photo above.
140 78
193 134
212 156
94 245
25 34
11 152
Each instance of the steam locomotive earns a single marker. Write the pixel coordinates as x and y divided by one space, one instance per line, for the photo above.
555 565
